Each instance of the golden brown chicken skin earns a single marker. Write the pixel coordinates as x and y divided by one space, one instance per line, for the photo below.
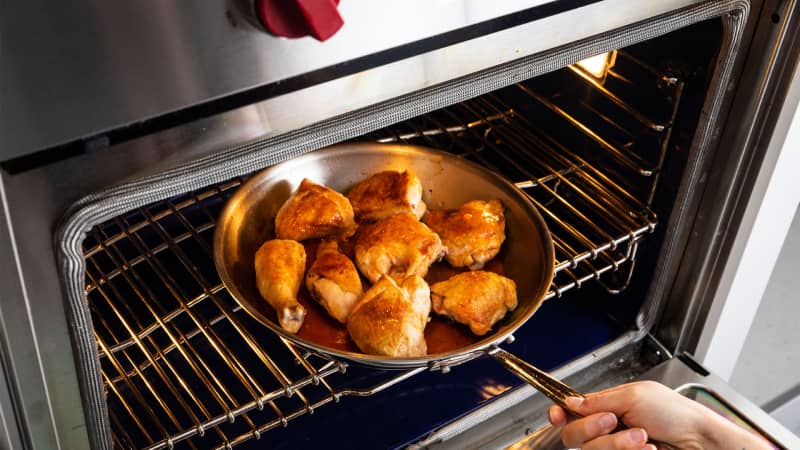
333 281
390 319
477 299
398 246
385 194
473 233
279 272
314 211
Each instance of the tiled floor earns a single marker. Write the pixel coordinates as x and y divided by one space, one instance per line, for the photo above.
769 365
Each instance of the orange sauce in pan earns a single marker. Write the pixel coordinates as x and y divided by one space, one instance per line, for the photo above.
441 334
320 328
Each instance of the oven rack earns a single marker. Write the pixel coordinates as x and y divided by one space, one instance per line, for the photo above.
182 364
133 365
563 184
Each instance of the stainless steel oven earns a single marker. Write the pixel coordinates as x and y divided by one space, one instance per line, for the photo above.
637 128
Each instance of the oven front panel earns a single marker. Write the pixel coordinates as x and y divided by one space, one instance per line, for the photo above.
144 67
44 192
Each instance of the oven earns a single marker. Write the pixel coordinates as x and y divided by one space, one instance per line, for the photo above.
638 130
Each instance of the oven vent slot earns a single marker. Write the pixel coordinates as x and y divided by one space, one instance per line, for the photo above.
182 364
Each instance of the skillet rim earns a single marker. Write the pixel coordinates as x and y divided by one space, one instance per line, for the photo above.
437 359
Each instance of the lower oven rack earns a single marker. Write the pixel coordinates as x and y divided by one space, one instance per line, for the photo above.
182 364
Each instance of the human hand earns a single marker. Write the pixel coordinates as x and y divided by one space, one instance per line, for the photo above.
652 412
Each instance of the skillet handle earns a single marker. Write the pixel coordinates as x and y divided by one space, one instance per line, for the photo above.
551 387
545 383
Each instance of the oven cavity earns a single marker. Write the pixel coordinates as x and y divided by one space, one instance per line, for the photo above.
183 366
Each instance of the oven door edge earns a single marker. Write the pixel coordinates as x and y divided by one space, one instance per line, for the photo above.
684 372
522 410
518 420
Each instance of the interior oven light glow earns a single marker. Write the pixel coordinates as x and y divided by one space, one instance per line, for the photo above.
596 66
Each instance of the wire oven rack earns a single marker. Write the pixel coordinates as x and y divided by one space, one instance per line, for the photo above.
183 366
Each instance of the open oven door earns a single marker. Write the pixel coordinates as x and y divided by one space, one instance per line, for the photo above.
518 420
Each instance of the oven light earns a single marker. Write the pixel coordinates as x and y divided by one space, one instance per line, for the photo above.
596 66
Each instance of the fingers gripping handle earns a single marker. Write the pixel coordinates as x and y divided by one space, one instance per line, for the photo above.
554 389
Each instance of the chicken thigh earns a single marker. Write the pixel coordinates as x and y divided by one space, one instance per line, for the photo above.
314 211
333 281
398 246
279 271
390 319
473 233
385 194
477 299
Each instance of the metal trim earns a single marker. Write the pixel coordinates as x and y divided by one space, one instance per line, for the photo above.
677 375
606 353
13 427
734 23
722 205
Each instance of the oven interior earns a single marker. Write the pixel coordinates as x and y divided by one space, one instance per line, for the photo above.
601 155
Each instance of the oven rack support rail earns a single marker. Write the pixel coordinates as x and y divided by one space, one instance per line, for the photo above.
182 364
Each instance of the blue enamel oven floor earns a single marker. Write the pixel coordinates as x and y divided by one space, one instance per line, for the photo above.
408 411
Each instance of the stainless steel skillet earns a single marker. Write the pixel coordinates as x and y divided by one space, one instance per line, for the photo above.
448 181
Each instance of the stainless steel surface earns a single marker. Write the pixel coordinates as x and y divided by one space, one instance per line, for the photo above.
730 301
754 118
32 405
119 66
545 437
521 414
552 388
10 433
9 429
678 374
523 424
786 408
247 221
703 148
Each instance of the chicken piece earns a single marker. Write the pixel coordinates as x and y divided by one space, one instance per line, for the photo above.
314 211
478 299
333 281
473 233
398 246
279 271
385 194
390 319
